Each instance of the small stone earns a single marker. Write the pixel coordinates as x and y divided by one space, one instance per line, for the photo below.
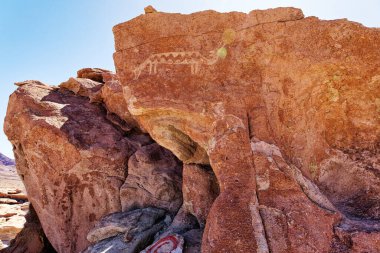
15 191
2 246
19 196
8 201
25 206
11 226
7 215
149 9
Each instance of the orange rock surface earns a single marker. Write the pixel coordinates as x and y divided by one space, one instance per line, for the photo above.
203 85
282 109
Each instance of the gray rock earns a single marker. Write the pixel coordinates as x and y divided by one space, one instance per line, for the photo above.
129 223
182 223
193 241
122 244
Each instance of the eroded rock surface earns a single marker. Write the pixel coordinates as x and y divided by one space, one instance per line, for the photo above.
283 109
84 87
309 87
154 179
71 158
199 189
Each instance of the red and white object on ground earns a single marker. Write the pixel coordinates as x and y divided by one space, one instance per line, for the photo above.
169 244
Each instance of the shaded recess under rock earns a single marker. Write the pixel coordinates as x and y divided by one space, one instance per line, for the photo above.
227 132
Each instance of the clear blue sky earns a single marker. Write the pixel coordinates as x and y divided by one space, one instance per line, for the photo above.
49 40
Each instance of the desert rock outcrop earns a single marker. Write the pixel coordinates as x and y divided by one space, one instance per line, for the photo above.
253 132
308 86
71 159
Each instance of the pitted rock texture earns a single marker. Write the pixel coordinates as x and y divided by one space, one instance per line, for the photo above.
71 158
202 85
154 179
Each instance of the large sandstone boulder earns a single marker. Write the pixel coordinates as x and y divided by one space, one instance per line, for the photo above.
71 158
204 84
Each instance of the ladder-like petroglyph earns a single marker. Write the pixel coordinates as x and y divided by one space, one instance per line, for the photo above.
192 58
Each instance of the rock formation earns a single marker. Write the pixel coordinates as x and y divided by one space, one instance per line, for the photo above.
306 86
130 231
71 158
154 178
250 132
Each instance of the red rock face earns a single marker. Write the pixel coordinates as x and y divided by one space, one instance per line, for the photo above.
204 84
71 159
154 179
283 109
199 190
113 99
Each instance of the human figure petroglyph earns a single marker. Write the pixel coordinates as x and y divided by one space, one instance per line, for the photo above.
192 58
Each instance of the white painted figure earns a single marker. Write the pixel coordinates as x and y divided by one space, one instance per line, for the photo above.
192 58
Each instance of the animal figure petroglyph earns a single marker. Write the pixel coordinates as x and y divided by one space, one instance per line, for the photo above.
192 58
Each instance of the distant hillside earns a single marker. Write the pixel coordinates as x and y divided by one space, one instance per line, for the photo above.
4 160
